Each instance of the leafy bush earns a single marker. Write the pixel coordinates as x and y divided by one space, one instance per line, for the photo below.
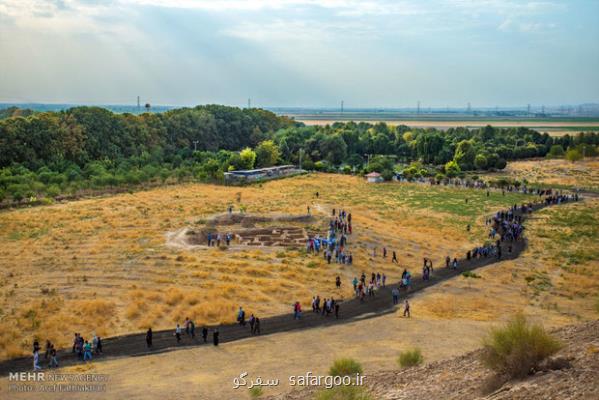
556 151
410 358
573 155
345 366
256 392
518 347
344 393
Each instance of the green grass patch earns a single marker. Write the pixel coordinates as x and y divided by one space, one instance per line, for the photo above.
470 274
410 358
256 392
344 367
516 349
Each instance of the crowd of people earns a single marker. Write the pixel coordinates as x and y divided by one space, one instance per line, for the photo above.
504 227
334 244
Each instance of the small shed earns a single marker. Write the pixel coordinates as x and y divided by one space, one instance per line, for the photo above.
374 177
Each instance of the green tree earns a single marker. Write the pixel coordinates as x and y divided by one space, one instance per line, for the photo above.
556 151
573 155
267 154
248 158
465 154
452 169
480 161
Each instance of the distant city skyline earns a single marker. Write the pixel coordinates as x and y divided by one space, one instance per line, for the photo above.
301 53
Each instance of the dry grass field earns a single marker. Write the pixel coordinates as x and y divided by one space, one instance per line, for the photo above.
102 265
447 320
561 173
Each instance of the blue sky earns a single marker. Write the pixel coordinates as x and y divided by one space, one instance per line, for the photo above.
370 53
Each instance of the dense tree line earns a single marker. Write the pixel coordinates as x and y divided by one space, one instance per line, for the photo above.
456 149
52 153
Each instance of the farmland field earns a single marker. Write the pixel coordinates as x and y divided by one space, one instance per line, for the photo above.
553 127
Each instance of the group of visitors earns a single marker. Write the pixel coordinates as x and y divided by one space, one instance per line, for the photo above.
328 306
218 239
334 245
189 330
49 355
363 289
84 348
253 321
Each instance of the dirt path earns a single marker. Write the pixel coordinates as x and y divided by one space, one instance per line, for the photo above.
134 344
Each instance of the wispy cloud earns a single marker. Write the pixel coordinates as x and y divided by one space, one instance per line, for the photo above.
375 51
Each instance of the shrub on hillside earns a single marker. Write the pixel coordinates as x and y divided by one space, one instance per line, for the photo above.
344 393
345 366
517 348
256 392
410 358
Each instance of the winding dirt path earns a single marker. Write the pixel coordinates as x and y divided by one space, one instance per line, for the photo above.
133 345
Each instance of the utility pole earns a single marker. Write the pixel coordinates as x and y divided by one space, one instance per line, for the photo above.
195 145
341 105
249 103
138 105
528 109
300 158
418 107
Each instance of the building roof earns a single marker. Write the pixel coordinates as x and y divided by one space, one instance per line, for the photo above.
372 175
247 172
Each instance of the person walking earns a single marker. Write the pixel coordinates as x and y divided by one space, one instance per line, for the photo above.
257 326
241 317
215 335
99 346
205 334
178 333
395 294
406 311
297 310
53 358
87 351
149 338
36 360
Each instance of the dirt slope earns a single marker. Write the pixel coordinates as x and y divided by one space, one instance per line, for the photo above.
464 377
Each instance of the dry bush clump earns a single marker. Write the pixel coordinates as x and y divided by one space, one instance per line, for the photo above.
410 358
518 348
344 367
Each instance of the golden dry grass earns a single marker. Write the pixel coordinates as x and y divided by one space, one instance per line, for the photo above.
580 174
102 265
447 319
